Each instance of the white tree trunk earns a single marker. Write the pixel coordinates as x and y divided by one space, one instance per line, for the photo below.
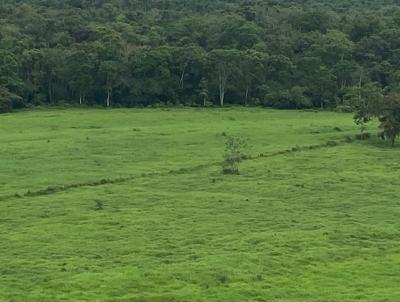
360 86
108 96
246 97
221 94
222 84
183 74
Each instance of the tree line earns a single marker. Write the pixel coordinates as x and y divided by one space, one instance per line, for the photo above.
277 53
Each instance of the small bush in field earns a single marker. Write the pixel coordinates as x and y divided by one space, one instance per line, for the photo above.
234 154
363 136
99 205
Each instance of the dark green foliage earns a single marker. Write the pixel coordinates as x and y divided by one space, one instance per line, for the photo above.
365 101
6 99
384 107
389 117
284 54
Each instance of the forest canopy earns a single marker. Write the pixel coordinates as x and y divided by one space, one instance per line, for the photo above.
278 53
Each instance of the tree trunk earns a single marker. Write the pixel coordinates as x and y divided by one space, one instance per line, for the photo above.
360 86
183 73
204 101
108 96
80 99
222 83
246 96
221 95
50 91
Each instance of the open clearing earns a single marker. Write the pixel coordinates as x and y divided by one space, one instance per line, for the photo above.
130 205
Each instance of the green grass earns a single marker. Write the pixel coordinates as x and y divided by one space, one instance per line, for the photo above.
129 205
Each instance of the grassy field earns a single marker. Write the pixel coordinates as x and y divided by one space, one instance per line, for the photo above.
130 205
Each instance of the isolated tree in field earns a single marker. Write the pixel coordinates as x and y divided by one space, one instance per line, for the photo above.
366 102
234 154
389 117
371 103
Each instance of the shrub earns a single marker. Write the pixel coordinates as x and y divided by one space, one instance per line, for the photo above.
233 154
98 205
344 109
331 143
348 139
363 136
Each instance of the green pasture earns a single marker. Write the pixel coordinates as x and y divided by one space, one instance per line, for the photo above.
130 205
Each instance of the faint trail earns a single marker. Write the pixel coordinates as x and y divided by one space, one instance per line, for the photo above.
106 181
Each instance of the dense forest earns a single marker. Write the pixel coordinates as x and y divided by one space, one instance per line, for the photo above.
278 53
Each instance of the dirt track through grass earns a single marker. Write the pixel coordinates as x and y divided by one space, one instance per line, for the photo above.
107 181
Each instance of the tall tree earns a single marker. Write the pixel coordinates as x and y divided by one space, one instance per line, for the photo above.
251 66
225 62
